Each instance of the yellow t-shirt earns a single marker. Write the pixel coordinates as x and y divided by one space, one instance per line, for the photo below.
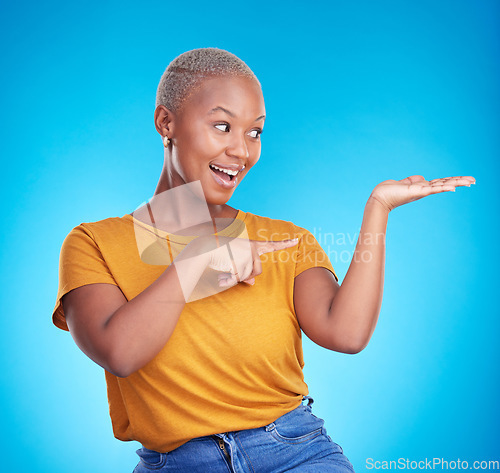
234 360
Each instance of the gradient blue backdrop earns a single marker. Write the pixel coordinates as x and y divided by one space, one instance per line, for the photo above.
356 92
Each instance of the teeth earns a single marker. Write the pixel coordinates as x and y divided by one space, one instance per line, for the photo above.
227 171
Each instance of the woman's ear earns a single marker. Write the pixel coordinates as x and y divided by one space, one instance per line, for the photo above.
164 121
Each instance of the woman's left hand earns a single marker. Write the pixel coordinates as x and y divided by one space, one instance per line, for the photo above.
392 194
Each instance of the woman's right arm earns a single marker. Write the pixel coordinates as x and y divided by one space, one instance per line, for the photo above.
122 336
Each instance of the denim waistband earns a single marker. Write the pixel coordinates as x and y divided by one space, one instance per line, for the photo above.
296 441
309 399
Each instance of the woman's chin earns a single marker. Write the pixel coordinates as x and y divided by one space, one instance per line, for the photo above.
216 195
217 200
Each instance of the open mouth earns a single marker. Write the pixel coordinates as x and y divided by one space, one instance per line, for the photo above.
225 174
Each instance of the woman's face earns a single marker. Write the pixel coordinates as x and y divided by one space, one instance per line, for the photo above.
219 124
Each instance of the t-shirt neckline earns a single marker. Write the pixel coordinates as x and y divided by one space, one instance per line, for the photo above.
235 228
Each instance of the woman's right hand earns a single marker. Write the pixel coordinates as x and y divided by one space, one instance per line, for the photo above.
237 259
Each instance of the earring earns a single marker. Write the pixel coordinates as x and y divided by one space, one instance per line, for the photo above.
166 141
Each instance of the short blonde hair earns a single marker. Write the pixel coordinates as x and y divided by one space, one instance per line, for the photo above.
188 70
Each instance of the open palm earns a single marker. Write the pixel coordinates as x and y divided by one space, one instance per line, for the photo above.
392 194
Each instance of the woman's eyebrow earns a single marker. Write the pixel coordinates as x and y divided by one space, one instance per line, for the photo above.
231 114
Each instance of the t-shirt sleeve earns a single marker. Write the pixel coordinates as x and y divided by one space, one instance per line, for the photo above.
311 255
80 263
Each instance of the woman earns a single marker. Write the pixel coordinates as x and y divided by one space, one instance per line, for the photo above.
195 309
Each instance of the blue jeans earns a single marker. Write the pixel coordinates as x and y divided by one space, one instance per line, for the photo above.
295 442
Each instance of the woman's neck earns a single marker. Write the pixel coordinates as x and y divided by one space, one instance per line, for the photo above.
184 203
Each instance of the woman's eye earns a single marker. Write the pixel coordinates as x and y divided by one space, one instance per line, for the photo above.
255 133
222 127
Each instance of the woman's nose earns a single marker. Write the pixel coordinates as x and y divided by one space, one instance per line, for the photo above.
238 147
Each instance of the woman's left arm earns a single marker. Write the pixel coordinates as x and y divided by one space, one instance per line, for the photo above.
343 318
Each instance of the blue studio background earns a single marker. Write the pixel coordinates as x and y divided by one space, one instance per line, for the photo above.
356 93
